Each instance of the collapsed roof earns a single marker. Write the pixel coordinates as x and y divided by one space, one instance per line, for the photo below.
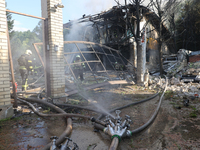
116 26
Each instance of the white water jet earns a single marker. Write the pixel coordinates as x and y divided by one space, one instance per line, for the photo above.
99 107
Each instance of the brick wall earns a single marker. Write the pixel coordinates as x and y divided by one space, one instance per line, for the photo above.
55 25
4 61
194 58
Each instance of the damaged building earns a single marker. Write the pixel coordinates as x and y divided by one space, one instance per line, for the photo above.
116 28
83 75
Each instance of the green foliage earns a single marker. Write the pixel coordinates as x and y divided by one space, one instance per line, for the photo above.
21 41
169 94
38 31
48 110
179 147
188 26
10 22
91 145
3 120
193 114
8 119
173 103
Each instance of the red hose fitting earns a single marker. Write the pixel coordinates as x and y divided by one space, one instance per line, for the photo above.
16 87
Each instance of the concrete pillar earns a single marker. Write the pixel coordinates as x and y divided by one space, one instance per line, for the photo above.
141 63
5 101
55 47
135 54
144 42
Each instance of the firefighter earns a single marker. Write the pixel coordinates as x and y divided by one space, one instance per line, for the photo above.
25 64
118 67
36 67
78 68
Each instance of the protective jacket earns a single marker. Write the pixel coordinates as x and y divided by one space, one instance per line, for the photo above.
25 65
78 68
25 62
79 65
118 67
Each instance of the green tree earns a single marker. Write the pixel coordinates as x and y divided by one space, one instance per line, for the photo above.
10 22
188 26
38 30
21 41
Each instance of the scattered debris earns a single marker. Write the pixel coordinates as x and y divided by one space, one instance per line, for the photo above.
186 102
178 107
184 78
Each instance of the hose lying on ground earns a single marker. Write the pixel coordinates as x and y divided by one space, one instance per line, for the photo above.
153 116
114 144
69 120
115 140
63 136
131 104
150 120
62 113
103 113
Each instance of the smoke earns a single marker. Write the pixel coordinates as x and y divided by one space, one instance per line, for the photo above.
75 33
98 6
85 31
82 31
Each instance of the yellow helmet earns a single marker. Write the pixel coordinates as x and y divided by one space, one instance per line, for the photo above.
78 56
28 52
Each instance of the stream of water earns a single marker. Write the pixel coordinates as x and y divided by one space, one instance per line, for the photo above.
98 106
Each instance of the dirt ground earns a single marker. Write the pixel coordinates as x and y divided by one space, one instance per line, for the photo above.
176 126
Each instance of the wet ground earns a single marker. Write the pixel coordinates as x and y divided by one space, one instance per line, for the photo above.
176 127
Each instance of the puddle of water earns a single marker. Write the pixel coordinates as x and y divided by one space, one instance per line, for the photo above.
87 139
29 132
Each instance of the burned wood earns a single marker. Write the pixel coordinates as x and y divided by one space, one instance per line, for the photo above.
12 71
86 62
36 49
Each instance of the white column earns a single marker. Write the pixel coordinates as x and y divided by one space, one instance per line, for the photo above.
6 109
55 40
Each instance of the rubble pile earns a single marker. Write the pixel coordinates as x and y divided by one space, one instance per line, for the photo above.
181 67
183 77
176 85
176 67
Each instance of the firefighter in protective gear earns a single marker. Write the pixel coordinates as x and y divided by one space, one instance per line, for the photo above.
25 67
118 66
36 67
78 68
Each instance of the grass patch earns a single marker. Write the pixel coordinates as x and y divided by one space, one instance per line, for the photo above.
172 103
92 145
179 147
193 114
48 110
4 120
131 144
169 94
8 119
